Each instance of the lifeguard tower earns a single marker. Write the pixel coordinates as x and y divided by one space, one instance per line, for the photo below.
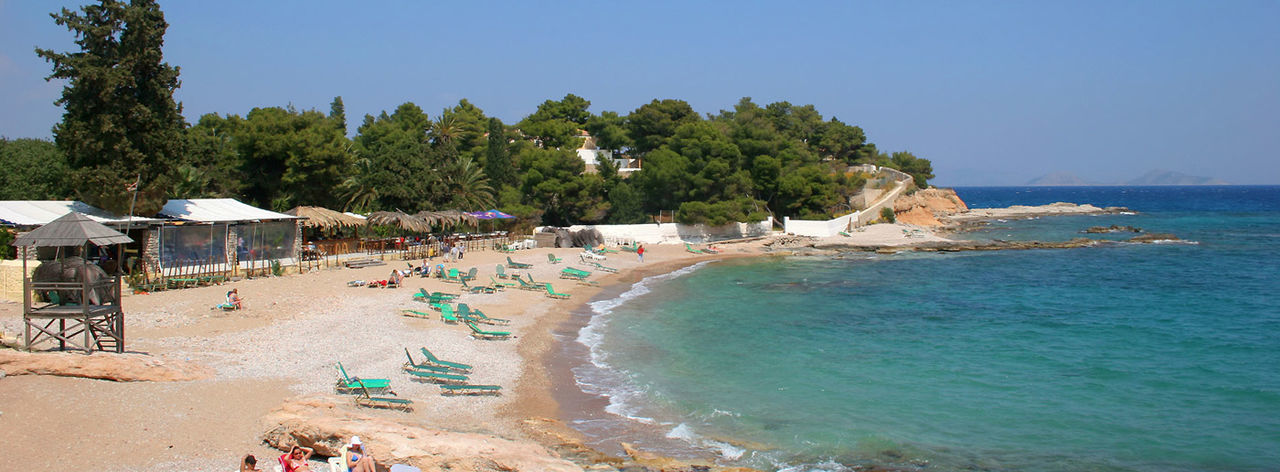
82 313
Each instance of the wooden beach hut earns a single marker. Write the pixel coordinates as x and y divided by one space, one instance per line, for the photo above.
88 305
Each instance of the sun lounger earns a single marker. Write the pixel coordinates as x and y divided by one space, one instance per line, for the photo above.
553 259
370 401
588 255
357 283
528 286
446 314
574 273
502 273
347 384
604 267
427 366
470 275
437 361
517 265
477 288
690 249
478 333
415 314
486 319
435 377
498 284
551 292
468 389
452 276
629 247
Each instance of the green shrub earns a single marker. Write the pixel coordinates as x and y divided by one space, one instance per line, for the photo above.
886 214
276 269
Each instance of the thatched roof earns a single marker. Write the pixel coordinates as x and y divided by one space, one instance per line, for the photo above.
72 229
320 217
449 217
401 220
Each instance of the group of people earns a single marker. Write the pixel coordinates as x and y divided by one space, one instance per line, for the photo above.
356 456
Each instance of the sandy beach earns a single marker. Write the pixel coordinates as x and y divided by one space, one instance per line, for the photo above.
284 345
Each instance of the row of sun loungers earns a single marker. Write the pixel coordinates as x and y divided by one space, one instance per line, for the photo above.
452 377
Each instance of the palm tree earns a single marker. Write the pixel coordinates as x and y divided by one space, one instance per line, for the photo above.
356 193
189 182
469 189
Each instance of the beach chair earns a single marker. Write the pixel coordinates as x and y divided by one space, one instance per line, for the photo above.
447 314
690 249
517 265
347 384
483 318
415 314
551 292
629 247
502 273
586 256
469 389
427 366
434 377
452 276
574 273
357 283
225 307
528 286
369 401
477 288
501 285
437 361
478 333
470 275
604 267
553 259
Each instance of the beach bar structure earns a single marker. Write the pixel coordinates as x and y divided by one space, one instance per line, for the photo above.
222 236
86 307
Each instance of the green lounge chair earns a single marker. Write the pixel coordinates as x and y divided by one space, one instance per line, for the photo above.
412 365
435 377
437 361
630 247
690 249
528 286
476 316
470 275
468 389
453 276
446 314
496 283
502 273
574 273
415 314
485 318
517 265
423 294
604 267
477 288
429 366
553 259
551 292
347 384
369 401
478 333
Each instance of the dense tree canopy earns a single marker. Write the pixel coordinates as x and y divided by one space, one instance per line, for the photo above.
121 124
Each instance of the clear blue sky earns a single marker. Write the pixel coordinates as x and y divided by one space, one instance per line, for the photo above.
993 92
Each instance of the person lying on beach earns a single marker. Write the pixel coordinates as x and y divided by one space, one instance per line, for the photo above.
249 464
296 459
358 457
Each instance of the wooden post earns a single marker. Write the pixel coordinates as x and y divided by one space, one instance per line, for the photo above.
26 301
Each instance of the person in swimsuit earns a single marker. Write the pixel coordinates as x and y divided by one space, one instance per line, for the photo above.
296 459
249 464
233 298
358 457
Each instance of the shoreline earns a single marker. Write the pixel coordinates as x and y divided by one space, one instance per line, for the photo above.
361 328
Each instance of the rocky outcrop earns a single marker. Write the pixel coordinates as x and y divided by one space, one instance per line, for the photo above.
923 208
325 422
1023 211
1112 229
1153 238
104 366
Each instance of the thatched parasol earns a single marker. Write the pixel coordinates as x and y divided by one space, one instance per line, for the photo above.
449 217
400 219
319 217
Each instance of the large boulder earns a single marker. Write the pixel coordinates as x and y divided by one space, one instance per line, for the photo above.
103 366
326 422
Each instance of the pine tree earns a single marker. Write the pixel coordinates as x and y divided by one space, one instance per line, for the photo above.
121 124
497 163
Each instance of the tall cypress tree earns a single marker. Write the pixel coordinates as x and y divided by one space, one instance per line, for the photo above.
120 123
497 163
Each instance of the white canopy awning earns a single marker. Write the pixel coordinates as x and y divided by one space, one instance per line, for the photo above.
42 212
218 210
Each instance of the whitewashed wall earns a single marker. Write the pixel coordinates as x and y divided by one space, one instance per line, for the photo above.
824 228
676 233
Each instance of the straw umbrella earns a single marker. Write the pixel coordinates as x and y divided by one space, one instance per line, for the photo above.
319 217
401 220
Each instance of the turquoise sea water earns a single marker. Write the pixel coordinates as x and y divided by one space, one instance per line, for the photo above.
1156 357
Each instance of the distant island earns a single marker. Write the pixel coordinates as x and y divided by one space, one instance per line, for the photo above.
1154 177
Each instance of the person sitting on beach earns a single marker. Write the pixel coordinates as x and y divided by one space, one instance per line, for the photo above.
358 457
396 278
233 299
296 459
249 464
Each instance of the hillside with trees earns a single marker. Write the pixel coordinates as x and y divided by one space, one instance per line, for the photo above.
740 164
